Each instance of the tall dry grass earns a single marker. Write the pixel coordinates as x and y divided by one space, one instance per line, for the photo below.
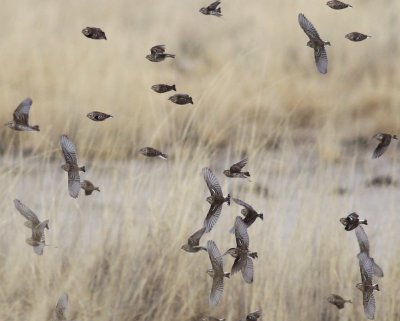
256 92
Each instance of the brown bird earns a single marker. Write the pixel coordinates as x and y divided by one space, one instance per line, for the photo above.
253 316
152 152
212 9
352 221
181 99
243 257
94 33
98 116
321 58
193 243
71 165
37 241
249 213
367 286
88 187
338 301
217 273
337 5
25 211
162 88
216 199
20 120
385 140
356 36
62 307
158 54
236 170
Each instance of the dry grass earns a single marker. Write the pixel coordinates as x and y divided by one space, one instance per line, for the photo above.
256 92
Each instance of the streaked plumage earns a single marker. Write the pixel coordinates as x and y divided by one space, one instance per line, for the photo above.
152 152
337 5
98 116
356 36
212 9
338 301
217 273
352 221
20 120
71 165
385 140
181 99
163 88
243 257
89 187
94 33
321 58
236 170
158 54
37 241
193 243
25 211
62 307
216 199
249 213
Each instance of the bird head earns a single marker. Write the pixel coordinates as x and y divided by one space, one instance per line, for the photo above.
210 199
360 286
309 44
203 10
65 167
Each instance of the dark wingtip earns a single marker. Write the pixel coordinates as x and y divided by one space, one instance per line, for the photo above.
173 87
36 127
228 199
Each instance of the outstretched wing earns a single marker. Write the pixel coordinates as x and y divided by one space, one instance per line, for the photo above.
217 290
212 216
69 150
362 239
26 212
242 203
21 114
248 270
159 49
369 304
215 257
213 6
308 28
74 183
61 307
237 167
242 237
380 149
212 182
321 59
195 238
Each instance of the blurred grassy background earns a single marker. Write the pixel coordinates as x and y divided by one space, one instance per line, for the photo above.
257 93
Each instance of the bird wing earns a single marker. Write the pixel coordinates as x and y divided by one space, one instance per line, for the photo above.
74 184
159 49
212 216
215 257
308 28
195 238
366 268
369 304
242 237
38 249
61 307
26 212
237 167
21 114
212 182
213 6
248 270
380 149
238 265
217 290
321 59
38 232
362 239
242 203
69 150
377 269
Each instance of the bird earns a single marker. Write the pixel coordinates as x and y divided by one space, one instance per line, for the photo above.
162 88
20 120
243 257
236 170
356 36
337 5
25 211
193 242
152 152
62 307
212 9
98 116
249 213
321 58
37 240
88 187
216 199
253 316
158 54
352 221
217 273
211 319
94 33
338 301
71 165
363 243
181 99
385 140
367 286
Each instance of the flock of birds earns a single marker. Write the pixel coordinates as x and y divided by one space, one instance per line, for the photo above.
241 253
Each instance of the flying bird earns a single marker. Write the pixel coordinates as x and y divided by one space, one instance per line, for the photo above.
337 5
152 152
356 36
338 301
62 307
162 88
20 120
25 211
385 140
71 165
94 33
236 170
216 272
211 319
193 243
158 54
321 58
37 240
181 99
249 213
352 221
98 116
89 187
216 199
253 316
212 9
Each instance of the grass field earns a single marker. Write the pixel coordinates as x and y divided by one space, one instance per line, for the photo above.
257 93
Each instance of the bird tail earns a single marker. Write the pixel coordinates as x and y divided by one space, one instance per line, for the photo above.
246 174
82 169
228 199
169 55
253 255
376 287
365 222
327 43
173 87
163 156
261 216
227 275
36 127
191 100
219 10
395 137
97 189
